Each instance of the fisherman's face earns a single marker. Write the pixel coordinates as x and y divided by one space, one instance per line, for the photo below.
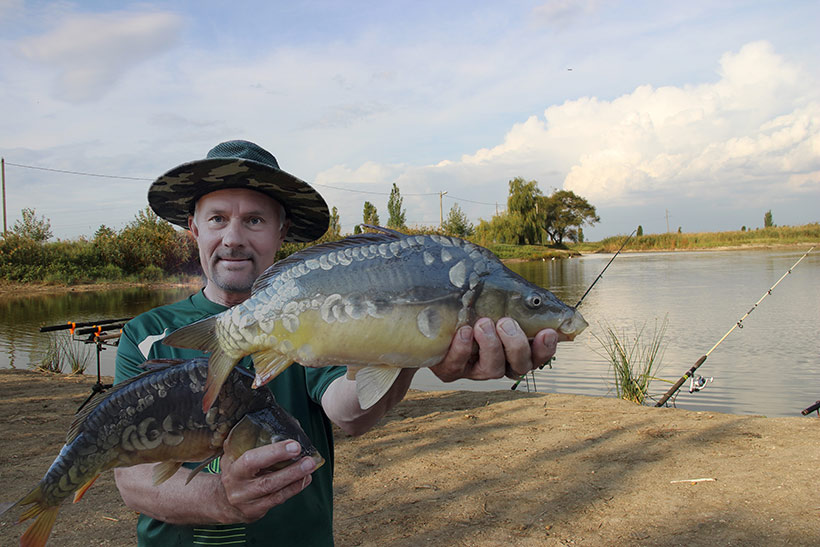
238 232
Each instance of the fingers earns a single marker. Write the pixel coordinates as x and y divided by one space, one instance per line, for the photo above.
516 347
457 361
491 355
252 491
543 346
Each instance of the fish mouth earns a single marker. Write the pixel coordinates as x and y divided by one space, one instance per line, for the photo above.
572 327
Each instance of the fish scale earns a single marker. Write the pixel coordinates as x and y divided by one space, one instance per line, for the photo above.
397 303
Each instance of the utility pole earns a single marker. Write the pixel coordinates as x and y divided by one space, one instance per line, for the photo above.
441 209
667 221
3 168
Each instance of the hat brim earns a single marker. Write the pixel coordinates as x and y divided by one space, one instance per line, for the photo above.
173 195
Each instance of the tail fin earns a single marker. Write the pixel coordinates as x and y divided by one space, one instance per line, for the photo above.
37 534
220 366
202 336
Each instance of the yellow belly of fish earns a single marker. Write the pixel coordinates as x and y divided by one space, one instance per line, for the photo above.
404 337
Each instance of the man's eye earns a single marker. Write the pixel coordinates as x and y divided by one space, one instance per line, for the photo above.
254 221
217 219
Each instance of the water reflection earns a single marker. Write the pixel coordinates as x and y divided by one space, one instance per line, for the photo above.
21 317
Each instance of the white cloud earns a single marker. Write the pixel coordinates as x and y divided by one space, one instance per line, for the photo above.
757 122
90 52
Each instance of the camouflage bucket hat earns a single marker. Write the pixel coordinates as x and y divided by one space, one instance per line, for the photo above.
240 164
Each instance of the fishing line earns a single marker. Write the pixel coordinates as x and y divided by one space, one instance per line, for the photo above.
739 324
600 275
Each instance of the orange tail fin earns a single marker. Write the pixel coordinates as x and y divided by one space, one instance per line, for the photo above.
37 534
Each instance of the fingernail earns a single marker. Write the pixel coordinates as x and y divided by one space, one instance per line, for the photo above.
465 333
486 326
293 447
307 464
509 326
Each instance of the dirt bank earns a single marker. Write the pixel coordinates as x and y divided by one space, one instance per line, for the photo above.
497 468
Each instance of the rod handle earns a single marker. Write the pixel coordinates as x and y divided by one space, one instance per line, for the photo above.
680 381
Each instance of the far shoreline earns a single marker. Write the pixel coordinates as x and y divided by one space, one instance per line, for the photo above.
13 289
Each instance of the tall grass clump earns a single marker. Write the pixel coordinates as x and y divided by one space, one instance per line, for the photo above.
62 352
634 359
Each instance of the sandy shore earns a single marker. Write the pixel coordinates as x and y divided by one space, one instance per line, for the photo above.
495 468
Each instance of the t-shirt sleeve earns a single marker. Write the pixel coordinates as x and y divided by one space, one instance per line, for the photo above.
129 357
318 380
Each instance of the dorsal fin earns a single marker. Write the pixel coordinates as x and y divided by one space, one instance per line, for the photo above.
383 230
385 235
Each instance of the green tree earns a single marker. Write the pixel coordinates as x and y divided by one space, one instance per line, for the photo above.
566 213
33 228
767 219
396 220
640 230
457 223
369 214
149 240
334 227
525 206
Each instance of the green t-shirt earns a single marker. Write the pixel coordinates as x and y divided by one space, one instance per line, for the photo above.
307 518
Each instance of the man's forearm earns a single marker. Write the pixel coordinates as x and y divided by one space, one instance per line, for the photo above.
341 404
201 501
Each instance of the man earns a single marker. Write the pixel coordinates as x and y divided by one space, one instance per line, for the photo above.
240 208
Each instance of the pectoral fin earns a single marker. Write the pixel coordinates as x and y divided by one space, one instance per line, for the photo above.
269 364
373 382
164 471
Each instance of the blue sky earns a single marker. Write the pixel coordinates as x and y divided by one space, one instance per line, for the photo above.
706 112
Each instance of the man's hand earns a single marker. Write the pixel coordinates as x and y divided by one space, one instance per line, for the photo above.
251 491
503 350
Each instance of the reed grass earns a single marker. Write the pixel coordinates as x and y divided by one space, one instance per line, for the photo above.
633 359
65 352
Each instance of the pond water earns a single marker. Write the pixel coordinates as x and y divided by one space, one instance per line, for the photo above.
771 366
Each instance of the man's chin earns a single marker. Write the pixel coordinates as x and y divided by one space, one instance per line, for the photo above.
234 283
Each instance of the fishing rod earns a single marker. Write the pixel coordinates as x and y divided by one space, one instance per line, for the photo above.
71 325
600 275
739 324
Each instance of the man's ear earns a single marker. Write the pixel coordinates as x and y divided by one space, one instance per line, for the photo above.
192 226
284 231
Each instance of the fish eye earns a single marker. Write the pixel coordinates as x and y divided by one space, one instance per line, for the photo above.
534 301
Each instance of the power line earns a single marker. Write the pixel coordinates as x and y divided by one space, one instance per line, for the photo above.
470 200
369 191
149 179
74 172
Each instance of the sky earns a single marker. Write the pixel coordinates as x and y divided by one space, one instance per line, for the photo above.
696 115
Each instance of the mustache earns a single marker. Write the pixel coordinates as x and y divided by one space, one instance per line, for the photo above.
233 255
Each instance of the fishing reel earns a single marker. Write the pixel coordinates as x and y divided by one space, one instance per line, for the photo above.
698 383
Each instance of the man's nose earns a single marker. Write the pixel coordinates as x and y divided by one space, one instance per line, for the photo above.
233 235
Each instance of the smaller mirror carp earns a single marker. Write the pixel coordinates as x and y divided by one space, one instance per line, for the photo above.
157 416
